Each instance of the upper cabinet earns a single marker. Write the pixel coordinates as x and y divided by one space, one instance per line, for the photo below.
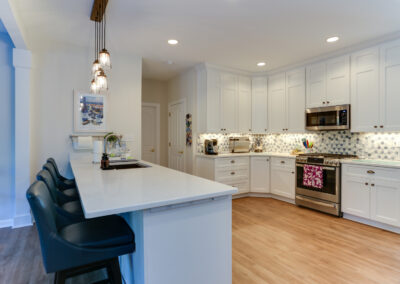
259 100
286 101
223 101
375 88
328 83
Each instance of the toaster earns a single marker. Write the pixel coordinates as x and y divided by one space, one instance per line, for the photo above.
239 144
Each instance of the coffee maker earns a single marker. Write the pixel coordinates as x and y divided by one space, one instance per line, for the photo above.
211 147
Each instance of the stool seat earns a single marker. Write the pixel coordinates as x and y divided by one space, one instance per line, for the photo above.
104 232
73 207
72 192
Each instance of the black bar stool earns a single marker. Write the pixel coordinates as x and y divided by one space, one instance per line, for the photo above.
64 183
81 247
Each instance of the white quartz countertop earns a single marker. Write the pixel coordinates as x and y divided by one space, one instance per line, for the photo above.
250 154
118 191
373 162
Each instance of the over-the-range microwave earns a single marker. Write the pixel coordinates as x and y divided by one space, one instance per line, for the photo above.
328 118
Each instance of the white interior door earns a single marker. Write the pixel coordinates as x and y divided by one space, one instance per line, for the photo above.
151 133
176 134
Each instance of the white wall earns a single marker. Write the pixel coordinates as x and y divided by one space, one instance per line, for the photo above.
7 129
184 86
155 91
54 76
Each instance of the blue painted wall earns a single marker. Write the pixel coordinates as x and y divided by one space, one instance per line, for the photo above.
6 127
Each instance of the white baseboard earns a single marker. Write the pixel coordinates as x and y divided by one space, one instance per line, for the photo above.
264 195
22 221
6 223
372 223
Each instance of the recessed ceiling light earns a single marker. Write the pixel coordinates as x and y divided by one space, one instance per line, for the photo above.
261 64
332 39
172 41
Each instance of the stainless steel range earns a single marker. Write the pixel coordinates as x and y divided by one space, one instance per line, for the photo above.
324 193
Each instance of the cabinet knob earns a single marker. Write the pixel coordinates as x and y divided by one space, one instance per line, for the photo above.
265 129
375 126
232 161
267 160
372 184
293 173
282 162
327 102
323 102
370 172
381 126
366 183
232 173
249 129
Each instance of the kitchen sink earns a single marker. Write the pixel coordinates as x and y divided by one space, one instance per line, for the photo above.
127 166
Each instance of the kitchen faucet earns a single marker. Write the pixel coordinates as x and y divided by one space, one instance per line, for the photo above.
118 138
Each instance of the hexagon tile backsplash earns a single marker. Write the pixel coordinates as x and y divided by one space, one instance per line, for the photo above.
364 145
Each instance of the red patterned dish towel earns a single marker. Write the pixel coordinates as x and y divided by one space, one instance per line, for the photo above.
313 176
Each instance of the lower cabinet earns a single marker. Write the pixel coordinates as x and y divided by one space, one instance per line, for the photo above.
259 174
283 177
372 193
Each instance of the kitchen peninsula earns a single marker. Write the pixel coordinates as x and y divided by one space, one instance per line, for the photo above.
182 223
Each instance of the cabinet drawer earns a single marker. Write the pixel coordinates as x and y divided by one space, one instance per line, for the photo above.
242 185
371 172
283 162
232 162
231 173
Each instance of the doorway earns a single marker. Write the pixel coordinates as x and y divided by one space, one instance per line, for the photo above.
151 132
176 135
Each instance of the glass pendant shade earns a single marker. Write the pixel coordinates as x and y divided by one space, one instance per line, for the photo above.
101 81
95 67
93 87
105 59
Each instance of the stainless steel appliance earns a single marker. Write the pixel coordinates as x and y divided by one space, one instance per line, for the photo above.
328 118
211 147
327 198
239 144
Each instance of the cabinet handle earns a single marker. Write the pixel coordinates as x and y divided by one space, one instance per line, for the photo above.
372 184
370 172
381 126
232 173
366 183
233 161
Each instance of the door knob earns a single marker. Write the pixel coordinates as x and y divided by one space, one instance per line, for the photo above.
180 152
152 150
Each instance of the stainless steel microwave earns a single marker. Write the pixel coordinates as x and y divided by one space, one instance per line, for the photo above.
328 118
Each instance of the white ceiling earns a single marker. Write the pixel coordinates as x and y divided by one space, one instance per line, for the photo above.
231 33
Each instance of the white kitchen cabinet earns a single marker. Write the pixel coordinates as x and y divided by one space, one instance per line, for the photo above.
229 99
365 99
390 86
244 104
259 174
372 193
328 83
295 100
259 122
283 177
277 103
286 101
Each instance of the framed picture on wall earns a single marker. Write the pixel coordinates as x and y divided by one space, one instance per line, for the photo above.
90 112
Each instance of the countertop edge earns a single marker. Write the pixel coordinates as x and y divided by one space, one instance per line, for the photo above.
227 155
372 163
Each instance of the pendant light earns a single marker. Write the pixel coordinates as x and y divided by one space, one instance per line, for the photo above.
96 64
104 55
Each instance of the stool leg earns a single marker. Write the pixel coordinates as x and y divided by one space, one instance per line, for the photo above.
60 277
114 272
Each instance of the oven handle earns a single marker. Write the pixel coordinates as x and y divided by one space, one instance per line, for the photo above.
325 168
316 202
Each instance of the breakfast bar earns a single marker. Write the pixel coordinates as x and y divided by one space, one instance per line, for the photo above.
182 223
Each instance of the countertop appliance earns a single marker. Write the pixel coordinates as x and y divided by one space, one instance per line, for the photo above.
239 144
326 198
328 118
211 147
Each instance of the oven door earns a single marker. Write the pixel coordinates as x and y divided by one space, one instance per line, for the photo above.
331 184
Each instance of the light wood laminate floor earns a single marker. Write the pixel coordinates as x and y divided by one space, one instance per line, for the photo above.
277 242
273 242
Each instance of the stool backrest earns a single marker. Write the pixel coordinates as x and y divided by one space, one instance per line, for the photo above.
50 168
46 177
53 162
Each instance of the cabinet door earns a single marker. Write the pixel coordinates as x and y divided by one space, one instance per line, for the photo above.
259 173
283 182
316 85
385 201
244 104
365 97
229 102
277 103
213 112
296 100
338 81
259 123
390 86
356 196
